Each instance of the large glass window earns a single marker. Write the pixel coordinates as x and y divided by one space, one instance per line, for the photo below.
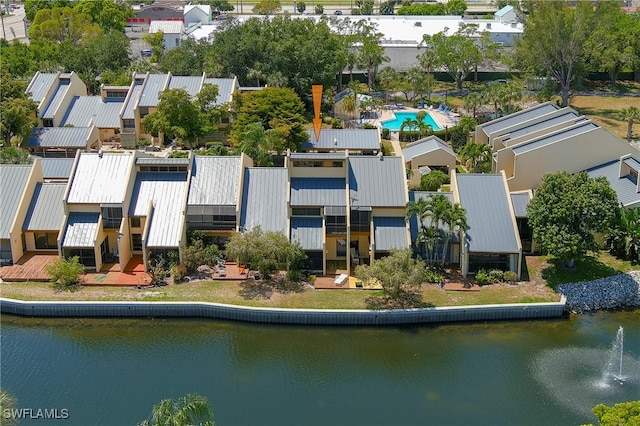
360 220
488 261
305 211
136 242
46 240
86 256
211 222
111 217
336 224
341 248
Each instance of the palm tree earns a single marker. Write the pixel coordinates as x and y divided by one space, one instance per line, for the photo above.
456 220
411 124
419 209
512 92
258 144
386 77
433 180
192 409
7 403
474 154
439 206
624 240
472 102
630 115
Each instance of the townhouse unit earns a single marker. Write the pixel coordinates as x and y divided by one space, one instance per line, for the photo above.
546 139
356 141
427 154
114 116
622 175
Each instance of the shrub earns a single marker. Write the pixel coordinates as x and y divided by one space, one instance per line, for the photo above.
157 272
386 133
327 119
178 272
142 143
483 277
197 254
311 279
65 273
337 123
434 277
510 277
319 9
496 275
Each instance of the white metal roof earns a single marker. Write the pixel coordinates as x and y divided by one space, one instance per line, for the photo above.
214 181
101 178
13 180
46 209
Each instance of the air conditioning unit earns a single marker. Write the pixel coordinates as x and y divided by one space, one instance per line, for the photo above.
488 25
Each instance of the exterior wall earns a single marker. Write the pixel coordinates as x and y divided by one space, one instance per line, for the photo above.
284 316
15 233
170 41
76 88
320 172
434 158
196 15
504 161
572 155
107 134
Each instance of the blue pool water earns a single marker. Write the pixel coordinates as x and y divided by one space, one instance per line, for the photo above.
394 125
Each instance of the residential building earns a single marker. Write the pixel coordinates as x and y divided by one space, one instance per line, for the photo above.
63 142
197 14
356 141
171 32
53 92
622 175
425 155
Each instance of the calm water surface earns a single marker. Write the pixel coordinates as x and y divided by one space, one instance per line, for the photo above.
111 372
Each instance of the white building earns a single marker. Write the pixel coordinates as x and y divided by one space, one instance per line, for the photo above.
172 31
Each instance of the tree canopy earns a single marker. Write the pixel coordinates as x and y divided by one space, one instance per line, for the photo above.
16 120
265 251
275 108
566 211
191 409
623 413
64 23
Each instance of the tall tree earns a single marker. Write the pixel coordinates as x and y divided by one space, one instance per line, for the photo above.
433 180
456 7
276 108
567 210
191 409
370 52
258 144
624 238
18 111
475 155
64 23
456 220
553 41
108 14
458 54
386 77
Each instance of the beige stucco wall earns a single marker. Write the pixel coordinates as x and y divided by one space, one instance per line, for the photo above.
15 232
438 157
573 154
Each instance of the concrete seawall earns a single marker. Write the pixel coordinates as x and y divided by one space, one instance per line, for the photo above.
282 316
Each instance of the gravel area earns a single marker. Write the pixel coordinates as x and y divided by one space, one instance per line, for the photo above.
617 291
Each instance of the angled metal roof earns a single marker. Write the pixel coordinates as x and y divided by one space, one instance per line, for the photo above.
56 168
633 163
81 230
167 27
84 109
13 180
486 200
40 84
554 137
520 201
413 221
518 117
154 84
191 84
46 209
307 231
318 192
377 181
167 192
424 146
53 105
163 161
504 10
568 117
59 137
226 87
318 155
101 179
214 181
390 233
344 139
625 187
129 109
264 199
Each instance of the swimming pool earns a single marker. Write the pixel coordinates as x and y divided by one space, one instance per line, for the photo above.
394 125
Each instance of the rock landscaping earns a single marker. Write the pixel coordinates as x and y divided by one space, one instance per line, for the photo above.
614 292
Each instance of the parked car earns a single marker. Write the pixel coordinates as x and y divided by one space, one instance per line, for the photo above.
147 53
337 12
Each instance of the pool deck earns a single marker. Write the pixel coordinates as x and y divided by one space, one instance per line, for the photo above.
442 119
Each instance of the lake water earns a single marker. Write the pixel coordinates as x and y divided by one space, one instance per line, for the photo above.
395 124
112 371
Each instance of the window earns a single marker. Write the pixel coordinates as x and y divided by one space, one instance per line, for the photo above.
156 168
307 164
341 248
116 94
305 211
337 164
129 124
336 224
144 111
135 222
211 222
46 240
136 242
47 122
111 217
633 174
360 220
86 256
488 261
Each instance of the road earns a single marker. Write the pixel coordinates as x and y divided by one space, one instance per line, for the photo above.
13 26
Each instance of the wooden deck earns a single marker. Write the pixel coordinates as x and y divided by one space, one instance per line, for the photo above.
31 267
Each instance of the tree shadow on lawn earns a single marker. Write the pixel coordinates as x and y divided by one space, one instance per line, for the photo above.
587 269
